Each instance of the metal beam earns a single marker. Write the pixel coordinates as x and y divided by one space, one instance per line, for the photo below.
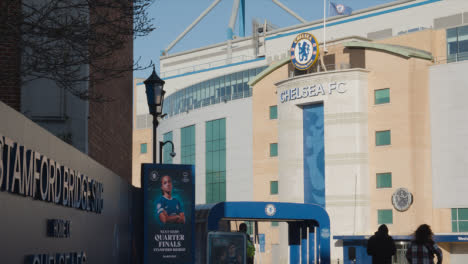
285 8
232 20
242 19
164 52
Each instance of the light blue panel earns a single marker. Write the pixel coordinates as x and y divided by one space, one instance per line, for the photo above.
311 245
304 244
294 251
261 239
314 158
323 242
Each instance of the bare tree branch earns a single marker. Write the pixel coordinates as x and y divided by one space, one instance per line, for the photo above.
76 42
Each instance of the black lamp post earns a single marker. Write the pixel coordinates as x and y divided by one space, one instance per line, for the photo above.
155 96
161 145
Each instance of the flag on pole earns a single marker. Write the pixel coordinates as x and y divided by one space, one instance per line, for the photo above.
339 10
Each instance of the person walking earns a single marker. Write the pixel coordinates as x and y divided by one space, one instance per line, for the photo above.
249 247
423 248
381 246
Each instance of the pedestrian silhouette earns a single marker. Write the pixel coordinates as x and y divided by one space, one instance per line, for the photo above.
423 248
381 246
249 245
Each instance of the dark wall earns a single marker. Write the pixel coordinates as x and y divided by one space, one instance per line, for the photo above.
110 122
10 58
110 237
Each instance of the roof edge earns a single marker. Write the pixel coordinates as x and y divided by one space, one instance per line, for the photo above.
268 70
395 49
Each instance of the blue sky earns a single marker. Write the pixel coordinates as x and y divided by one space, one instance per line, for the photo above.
172 17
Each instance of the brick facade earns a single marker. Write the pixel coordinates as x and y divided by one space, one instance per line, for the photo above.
10 92
110 126
110 123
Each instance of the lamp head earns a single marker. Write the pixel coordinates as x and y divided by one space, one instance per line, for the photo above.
154 93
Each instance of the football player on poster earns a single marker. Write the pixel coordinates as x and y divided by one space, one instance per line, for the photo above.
168 208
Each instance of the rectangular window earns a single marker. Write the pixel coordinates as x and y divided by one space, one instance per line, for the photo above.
382 138
384 180
215 137
273 149
274 223
273 187
187 145
143 148
274 112
385 216
459 219
457 44
167 149
382 96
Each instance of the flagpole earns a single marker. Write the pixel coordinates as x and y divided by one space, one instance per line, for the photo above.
324 25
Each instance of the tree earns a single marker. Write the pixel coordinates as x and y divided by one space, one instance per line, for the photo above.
72 42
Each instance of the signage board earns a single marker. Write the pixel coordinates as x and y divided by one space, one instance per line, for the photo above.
169 213
261 239
226 247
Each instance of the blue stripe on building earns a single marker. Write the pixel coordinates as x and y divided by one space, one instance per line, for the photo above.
314 157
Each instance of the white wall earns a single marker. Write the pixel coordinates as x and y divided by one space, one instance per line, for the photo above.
346 151
458 254
239 170
449 126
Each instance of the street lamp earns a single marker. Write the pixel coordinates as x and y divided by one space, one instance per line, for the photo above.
161 145
155 96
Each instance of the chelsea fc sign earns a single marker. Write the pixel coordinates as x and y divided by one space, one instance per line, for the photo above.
304 51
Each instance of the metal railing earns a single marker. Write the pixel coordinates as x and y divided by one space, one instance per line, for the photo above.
207 65
456 57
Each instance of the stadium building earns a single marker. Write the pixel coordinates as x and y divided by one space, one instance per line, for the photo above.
375 131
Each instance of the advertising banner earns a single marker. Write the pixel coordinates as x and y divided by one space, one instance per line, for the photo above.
226 248
169 213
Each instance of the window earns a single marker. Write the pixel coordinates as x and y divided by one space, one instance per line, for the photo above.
274 187
273 149
187 145
457 44
382 96
274 223
167 149
385 216
459 219
274 112
382 138
215 161
143 148
213 91
384 180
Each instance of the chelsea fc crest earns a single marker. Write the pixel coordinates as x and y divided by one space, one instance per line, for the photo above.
304 51
270 209
402 199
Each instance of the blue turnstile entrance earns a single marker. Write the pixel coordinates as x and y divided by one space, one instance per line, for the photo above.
308 225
